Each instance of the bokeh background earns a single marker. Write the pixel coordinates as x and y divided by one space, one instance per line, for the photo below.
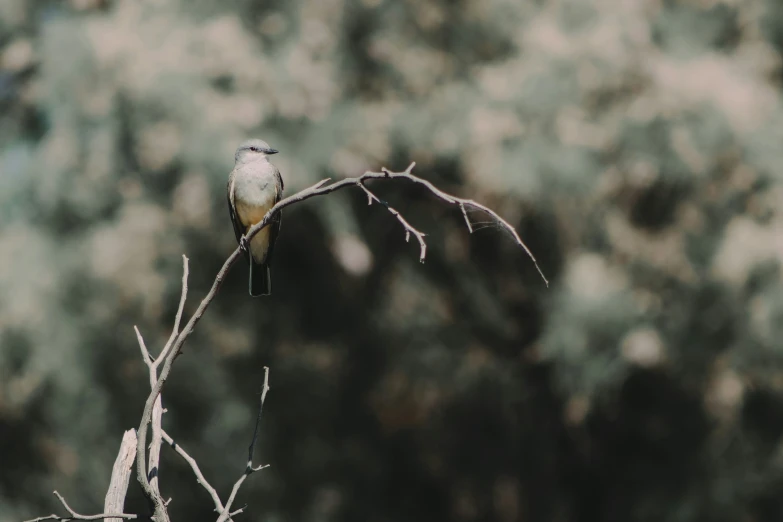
637 147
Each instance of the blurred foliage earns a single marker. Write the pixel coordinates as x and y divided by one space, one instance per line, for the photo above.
636 145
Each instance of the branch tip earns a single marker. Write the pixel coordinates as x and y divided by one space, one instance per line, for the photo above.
321 183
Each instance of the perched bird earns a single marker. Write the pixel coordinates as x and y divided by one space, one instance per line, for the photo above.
254 187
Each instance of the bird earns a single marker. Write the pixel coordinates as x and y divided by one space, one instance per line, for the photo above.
254 187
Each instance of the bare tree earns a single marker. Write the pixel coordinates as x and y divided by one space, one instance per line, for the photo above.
160 367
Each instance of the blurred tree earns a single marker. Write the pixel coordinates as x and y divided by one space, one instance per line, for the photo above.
634 145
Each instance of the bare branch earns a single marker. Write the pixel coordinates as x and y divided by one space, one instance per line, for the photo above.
157 410
264 391
321 188
178 319
249 469
157 413
465 215
120 476
153 410
223 512
407 226
76 516
145 354
155 443
196 470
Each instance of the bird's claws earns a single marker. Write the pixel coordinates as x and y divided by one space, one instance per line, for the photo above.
244 245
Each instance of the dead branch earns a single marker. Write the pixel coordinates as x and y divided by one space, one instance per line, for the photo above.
196 471
407 226
160 367
319 189
152 475
73 515
249 469
120 476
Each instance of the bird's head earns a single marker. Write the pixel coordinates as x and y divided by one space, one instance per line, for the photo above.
252 150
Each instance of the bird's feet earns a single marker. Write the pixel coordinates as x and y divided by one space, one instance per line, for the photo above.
244 244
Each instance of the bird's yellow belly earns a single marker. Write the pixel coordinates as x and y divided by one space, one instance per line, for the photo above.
249 215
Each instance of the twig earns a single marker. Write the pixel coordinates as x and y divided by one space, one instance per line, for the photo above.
157 410
178 318
264 391
145 354
196 470
224 512
76 516
407 226
120 476
249 469
467 220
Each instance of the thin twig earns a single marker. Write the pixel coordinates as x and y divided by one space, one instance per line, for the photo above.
157 410
264 391
196 471
249 469
465 215
178 318
76 516
407 226
145 354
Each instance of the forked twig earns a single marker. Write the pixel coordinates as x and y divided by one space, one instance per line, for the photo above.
76 516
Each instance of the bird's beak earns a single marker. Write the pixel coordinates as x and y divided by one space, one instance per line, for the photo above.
271 151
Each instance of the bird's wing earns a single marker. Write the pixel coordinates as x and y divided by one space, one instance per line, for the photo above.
274 226
238 232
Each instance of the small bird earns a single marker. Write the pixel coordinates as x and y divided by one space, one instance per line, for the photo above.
254 187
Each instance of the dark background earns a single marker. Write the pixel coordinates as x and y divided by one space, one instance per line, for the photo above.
636 146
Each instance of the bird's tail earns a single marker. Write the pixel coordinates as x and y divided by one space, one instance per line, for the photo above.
260 280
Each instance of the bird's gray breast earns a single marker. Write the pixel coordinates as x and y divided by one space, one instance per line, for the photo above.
254 185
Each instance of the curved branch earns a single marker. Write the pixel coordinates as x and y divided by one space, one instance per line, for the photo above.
321 188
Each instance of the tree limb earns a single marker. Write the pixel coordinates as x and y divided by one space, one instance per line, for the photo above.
152 414
76 516
196 471
319 189
157 411
249 469
120 476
